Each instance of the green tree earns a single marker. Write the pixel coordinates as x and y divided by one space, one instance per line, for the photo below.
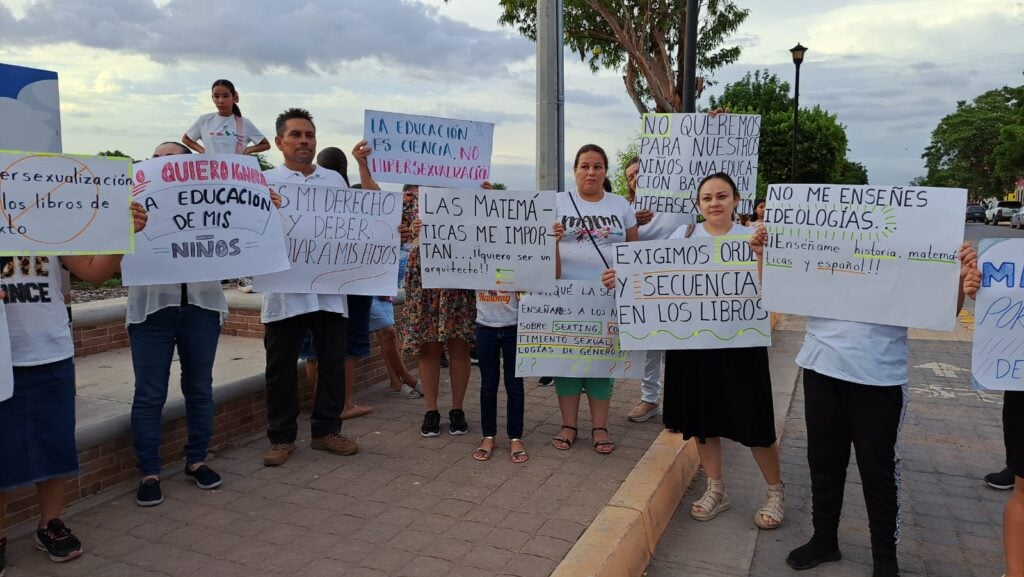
822 143
963 148
116 153
262 159
498 186
632 148
642 39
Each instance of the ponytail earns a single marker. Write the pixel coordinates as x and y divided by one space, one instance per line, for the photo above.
236 111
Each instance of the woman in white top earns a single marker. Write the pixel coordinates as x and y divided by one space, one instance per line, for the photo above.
224 131
162 318
715 393
37 424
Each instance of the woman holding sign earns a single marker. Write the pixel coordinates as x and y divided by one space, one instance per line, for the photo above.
715 393
37 424
590 221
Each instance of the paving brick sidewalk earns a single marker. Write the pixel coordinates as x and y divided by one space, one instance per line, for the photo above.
404 506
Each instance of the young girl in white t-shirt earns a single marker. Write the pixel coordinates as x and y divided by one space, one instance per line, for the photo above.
224 131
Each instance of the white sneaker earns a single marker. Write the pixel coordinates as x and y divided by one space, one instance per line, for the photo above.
245 284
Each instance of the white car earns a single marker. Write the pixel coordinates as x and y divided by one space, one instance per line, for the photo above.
1001 211
1017 220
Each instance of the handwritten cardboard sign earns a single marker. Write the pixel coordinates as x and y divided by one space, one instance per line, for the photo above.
875 254
427 150
678 150
487 239
210 218
54 204
997 361
572 332
340 241
696 293
6 364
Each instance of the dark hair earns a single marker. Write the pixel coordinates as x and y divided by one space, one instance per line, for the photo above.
231 88
409 187
590 148
356 185
631 161
720 176
758 203
292 114
607 185
184 149
333 158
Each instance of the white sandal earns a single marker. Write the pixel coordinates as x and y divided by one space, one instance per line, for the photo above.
772 508
713 502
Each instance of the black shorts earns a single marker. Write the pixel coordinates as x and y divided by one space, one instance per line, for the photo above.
1013 430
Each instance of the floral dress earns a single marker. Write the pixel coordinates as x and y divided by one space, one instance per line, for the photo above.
431 315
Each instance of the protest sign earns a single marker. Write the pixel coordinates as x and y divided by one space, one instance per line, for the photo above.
678 150
210 218
997 361
53 204
874 254
695 293
340 241
6 367
487 239
571 332
428 151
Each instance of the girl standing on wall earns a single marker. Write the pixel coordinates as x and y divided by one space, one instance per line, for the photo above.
224 131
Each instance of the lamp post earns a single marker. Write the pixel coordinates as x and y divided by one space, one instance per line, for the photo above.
798 58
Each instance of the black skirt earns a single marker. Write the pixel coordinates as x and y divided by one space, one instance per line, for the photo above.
720 393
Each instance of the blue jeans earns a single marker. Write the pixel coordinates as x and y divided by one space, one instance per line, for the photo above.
491 344
195 332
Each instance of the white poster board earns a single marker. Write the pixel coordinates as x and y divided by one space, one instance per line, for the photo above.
997 361
572 332
210 218
340 241
54 204
678 150
427 150
873 254
695 293
487 239
6 366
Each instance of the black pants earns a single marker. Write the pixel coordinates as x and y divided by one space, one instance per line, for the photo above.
837 414
281 341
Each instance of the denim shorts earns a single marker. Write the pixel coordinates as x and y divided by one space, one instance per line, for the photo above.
382 315
358 331
37 426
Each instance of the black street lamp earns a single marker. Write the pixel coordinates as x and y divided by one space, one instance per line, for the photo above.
798 58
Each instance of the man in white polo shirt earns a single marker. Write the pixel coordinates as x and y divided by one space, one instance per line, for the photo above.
287 317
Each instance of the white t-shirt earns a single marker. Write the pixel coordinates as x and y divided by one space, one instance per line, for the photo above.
863 353
607 220
699 231
37 318
219 134
146 300
497 308
280 306
662 225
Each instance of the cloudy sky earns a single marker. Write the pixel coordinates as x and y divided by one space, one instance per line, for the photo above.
137 72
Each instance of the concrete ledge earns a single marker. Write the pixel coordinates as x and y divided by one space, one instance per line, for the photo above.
621 540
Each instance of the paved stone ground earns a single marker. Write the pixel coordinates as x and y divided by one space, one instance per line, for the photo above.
951 521
404 506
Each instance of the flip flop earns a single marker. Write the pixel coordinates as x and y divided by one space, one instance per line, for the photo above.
356 411
406 392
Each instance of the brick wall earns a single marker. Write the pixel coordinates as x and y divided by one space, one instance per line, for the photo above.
113 462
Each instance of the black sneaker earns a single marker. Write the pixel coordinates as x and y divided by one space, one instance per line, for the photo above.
58 542
457 424
149 494
1002 480
204 477
812 554
546 381
431 424
473 360
3 556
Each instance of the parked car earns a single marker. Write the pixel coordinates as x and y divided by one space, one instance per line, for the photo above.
1001 211
1017 220
975 213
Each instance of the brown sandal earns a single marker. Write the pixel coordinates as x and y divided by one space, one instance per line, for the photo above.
566 442
599 446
